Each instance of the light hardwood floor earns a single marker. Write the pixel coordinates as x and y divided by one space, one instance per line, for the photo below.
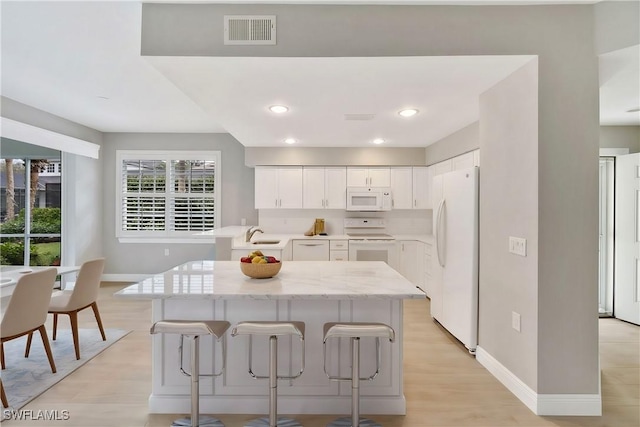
444 385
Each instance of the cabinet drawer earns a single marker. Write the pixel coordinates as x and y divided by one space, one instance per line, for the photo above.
310 250
339 245
339 256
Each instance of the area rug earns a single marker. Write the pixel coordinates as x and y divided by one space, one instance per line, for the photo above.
24 379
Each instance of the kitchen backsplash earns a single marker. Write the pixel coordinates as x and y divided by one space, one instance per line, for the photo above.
297 221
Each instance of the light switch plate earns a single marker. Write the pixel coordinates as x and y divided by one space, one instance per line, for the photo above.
518 245
515 321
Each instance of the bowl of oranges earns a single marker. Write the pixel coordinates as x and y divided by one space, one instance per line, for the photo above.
259 266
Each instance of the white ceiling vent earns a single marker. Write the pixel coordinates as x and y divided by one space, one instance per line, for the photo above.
250 29
360 117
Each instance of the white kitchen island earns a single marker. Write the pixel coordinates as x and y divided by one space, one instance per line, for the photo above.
314 292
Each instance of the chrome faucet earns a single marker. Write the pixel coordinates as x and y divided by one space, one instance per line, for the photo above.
250 232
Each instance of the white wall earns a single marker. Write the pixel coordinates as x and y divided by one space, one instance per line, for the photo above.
313 156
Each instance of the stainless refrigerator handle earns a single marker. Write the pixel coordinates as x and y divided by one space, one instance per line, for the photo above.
437 231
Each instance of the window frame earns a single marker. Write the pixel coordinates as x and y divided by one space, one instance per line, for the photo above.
167 236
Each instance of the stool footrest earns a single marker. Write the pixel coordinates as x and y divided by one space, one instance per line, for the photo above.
281 422
204 422
346 422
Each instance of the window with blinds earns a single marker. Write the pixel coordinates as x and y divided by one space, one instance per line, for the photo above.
167 194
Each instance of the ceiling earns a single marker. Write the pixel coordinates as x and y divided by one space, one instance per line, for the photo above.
81 61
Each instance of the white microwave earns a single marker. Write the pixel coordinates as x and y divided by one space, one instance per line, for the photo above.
368 199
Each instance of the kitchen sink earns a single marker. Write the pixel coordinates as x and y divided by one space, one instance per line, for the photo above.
265 242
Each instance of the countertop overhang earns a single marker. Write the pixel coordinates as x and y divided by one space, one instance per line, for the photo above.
296 280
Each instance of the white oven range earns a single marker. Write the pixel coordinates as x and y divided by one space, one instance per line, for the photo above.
368 240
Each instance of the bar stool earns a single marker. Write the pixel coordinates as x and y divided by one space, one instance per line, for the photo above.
355 331
272 330
195 328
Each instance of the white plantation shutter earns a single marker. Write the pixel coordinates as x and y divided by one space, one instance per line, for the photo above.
166 194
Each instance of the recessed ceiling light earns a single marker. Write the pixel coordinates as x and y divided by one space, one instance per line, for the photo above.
409 112
290 141
378 141
278 109
634 110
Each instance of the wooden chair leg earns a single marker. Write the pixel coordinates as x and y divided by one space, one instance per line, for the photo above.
47 347
2 354
28 348
94 306
5 402
55 325
73 316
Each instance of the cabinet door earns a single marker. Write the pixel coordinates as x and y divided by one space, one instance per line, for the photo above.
338 255
313 196
443 167
401 184
357 177
310 250
266 187
379 177
421 188
335 188
408 262
290 188
463 161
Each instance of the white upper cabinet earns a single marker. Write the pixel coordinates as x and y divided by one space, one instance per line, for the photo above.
443 167
421 188
324 188
278 187
463 161
368 177
476 158
401 188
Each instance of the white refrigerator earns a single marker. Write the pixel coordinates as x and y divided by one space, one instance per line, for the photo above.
454 297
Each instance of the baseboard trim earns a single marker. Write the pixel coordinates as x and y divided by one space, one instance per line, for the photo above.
124 277
541 404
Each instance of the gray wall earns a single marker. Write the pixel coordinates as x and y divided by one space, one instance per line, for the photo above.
620 137
616 25
334 156
465 140
562 36
237 199
509 207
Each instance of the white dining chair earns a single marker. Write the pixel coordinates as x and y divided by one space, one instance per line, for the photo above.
27 311
83 295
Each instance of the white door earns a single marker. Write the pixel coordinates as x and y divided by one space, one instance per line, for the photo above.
380 177
627 239
605 249
357 177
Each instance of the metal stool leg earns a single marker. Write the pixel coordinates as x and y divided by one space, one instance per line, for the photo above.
195 420
354 420
273 420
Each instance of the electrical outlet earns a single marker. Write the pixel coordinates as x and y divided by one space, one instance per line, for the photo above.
518 246
515 321
243 221
166 252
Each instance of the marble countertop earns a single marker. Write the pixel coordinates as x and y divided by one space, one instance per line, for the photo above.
296 280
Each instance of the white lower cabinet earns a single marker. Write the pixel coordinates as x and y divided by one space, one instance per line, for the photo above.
411 261
310 250
339 250
236 254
